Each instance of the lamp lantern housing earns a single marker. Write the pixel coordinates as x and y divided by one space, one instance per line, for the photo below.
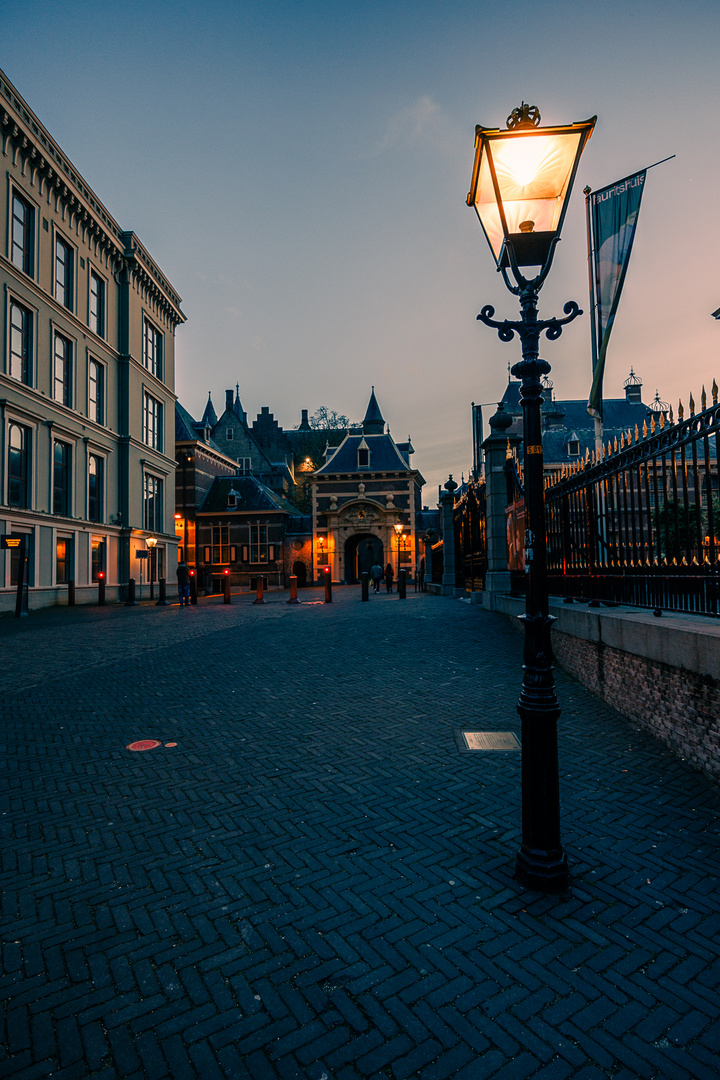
521 181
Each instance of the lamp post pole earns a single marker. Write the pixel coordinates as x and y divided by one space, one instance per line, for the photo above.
398 532
151 542
521 182
541 861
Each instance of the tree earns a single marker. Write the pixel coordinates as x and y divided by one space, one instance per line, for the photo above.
324 419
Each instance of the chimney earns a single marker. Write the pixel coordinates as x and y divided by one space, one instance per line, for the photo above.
228 400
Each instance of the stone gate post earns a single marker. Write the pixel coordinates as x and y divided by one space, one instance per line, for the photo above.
497 579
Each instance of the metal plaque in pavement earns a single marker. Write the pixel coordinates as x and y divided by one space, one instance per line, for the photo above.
491 740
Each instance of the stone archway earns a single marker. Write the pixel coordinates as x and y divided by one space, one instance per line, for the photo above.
361 551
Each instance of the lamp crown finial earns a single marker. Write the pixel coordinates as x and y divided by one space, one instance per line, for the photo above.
527 116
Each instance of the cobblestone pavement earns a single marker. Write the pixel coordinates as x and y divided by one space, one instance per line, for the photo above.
315 881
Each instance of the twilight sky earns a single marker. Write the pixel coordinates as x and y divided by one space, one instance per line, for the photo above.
298 169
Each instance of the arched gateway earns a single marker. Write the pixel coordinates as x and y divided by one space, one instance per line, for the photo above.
361 551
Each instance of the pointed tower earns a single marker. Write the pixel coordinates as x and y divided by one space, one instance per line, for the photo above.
237 408
373 424
209 417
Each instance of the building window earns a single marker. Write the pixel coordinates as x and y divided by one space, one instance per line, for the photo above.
573 448
21 252
244 466
220 544
229 434
258 544
64 273
152 422
61 479
63 559
15 561
153 503
96 484
96 392
20 343
63 363
152 349
18 465
363 459
97 304
97 557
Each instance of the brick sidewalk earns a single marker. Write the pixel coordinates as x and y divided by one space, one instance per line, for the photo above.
315 882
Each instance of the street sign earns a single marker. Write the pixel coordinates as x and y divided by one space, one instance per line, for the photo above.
142 554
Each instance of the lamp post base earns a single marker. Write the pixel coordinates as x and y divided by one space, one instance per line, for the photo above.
546 871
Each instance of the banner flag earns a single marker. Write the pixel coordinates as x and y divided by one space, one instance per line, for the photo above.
615 211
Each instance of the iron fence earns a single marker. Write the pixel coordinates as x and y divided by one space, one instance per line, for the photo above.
641 524
470 537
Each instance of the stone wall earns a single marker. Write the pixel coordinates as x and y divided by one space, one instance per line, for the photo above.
662 673
681 708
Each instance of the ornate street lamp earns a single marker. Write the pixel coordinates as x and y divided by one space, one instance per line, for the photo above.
521 182
151 542
398 526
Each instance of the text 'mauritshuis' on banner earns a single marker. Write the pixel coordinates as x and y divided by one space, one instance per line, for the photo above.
614 216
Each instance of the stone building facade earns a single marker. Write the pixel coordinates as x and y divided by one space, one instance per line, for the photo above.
364 490
87 371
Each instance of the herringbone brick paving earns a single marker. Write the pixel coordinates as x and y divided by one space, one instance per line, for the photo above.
315 882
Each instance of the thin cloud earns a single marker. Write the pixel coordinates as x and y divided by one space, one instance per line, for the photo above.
422 121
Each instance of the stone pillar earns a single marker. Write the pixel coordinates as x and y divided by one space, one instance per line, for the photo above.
447 504
497 579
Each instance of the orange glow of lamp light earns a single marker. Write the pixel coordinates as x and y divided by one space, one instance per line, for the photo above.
520 183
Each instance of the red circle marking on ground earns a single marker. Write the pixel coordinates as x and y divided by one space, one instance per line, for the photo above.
143 744
171 744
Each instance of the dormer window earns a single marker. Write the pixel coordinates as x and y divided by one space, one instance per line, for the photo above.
232 500
363 455
573 446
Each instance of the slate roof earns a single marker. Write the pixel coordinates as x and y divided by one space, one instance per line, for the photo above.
569 420
427 519
384 456
189 430
253 496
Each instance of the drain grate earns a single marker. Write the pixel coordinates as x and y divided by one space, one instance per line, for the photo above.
491 740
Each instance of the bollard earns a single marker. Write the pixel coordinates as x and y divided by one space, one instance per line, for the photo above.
101 588
402 584
71 593
131 601
260 584
293 590
162 585
328 585
364 585
193 587
226 586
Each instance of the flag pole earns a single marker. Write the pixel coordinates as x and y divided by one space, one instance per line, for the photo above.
593 318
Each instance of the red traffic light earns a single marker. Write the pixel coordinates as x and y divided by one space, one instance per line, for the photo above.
226 571
327 569
192 573
101 575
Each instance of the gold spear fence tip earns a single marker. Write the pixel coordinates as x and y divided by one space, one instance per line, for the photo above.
715 392
622 440
692 404
616 445
662 418
703 399
637 434
681 411
645 429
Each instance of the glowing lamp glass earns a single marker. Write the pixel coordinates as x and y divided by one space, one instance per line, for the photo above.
521 182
